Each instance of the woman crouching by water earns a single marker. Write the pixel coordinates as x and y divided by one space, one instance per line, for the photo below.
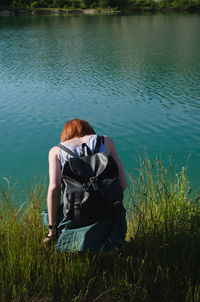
87 169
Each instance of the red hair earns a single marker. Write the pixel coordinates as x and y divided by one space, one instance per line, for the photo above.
76 128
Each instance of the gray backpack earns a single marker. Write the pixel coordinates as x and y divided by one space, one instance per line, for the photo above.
91 189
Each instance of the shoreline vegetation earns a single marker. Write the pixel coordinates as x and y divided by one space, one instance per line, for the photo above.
36 7
160 261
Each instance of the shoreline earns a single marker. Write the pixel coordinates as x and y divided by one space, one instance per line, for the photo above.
56 11
8 11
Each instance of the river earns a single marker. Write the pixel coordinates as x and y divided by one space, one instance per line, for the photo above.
135 78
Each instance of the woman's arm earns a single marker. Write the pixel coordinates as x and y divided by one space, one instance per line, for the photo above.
54 190
111 147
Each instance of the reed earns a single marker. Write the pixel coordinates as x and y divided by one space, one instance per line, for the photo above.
160 261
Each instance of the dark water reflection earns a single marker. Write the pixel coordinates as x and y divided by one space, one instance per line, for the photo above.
135 78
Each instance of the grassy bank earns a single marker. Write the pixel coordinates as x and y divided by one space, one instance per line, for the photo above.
101 6
160 261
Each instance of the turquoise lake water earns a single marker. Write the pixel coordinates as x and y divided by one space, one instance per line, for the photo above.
135 78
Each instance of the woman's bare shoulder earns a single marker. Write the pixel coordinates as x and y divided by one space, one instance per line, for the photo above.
108 142
107 139
53 152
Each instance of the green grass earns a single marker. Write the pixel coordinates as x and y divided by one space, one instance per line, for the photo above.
160 261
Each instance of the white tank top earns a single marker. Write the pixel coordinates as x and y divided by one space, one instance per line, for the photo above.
91 143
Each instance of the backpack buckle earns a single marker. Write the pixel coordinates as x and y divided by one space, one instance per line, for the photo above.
94 182
117 203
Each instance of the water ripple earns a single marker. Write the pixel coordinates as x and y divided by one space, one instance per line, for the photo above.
135 78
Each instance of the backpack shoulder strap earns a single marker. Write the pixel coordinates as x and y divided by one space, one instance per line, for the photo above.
100 139
87 150
70 152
